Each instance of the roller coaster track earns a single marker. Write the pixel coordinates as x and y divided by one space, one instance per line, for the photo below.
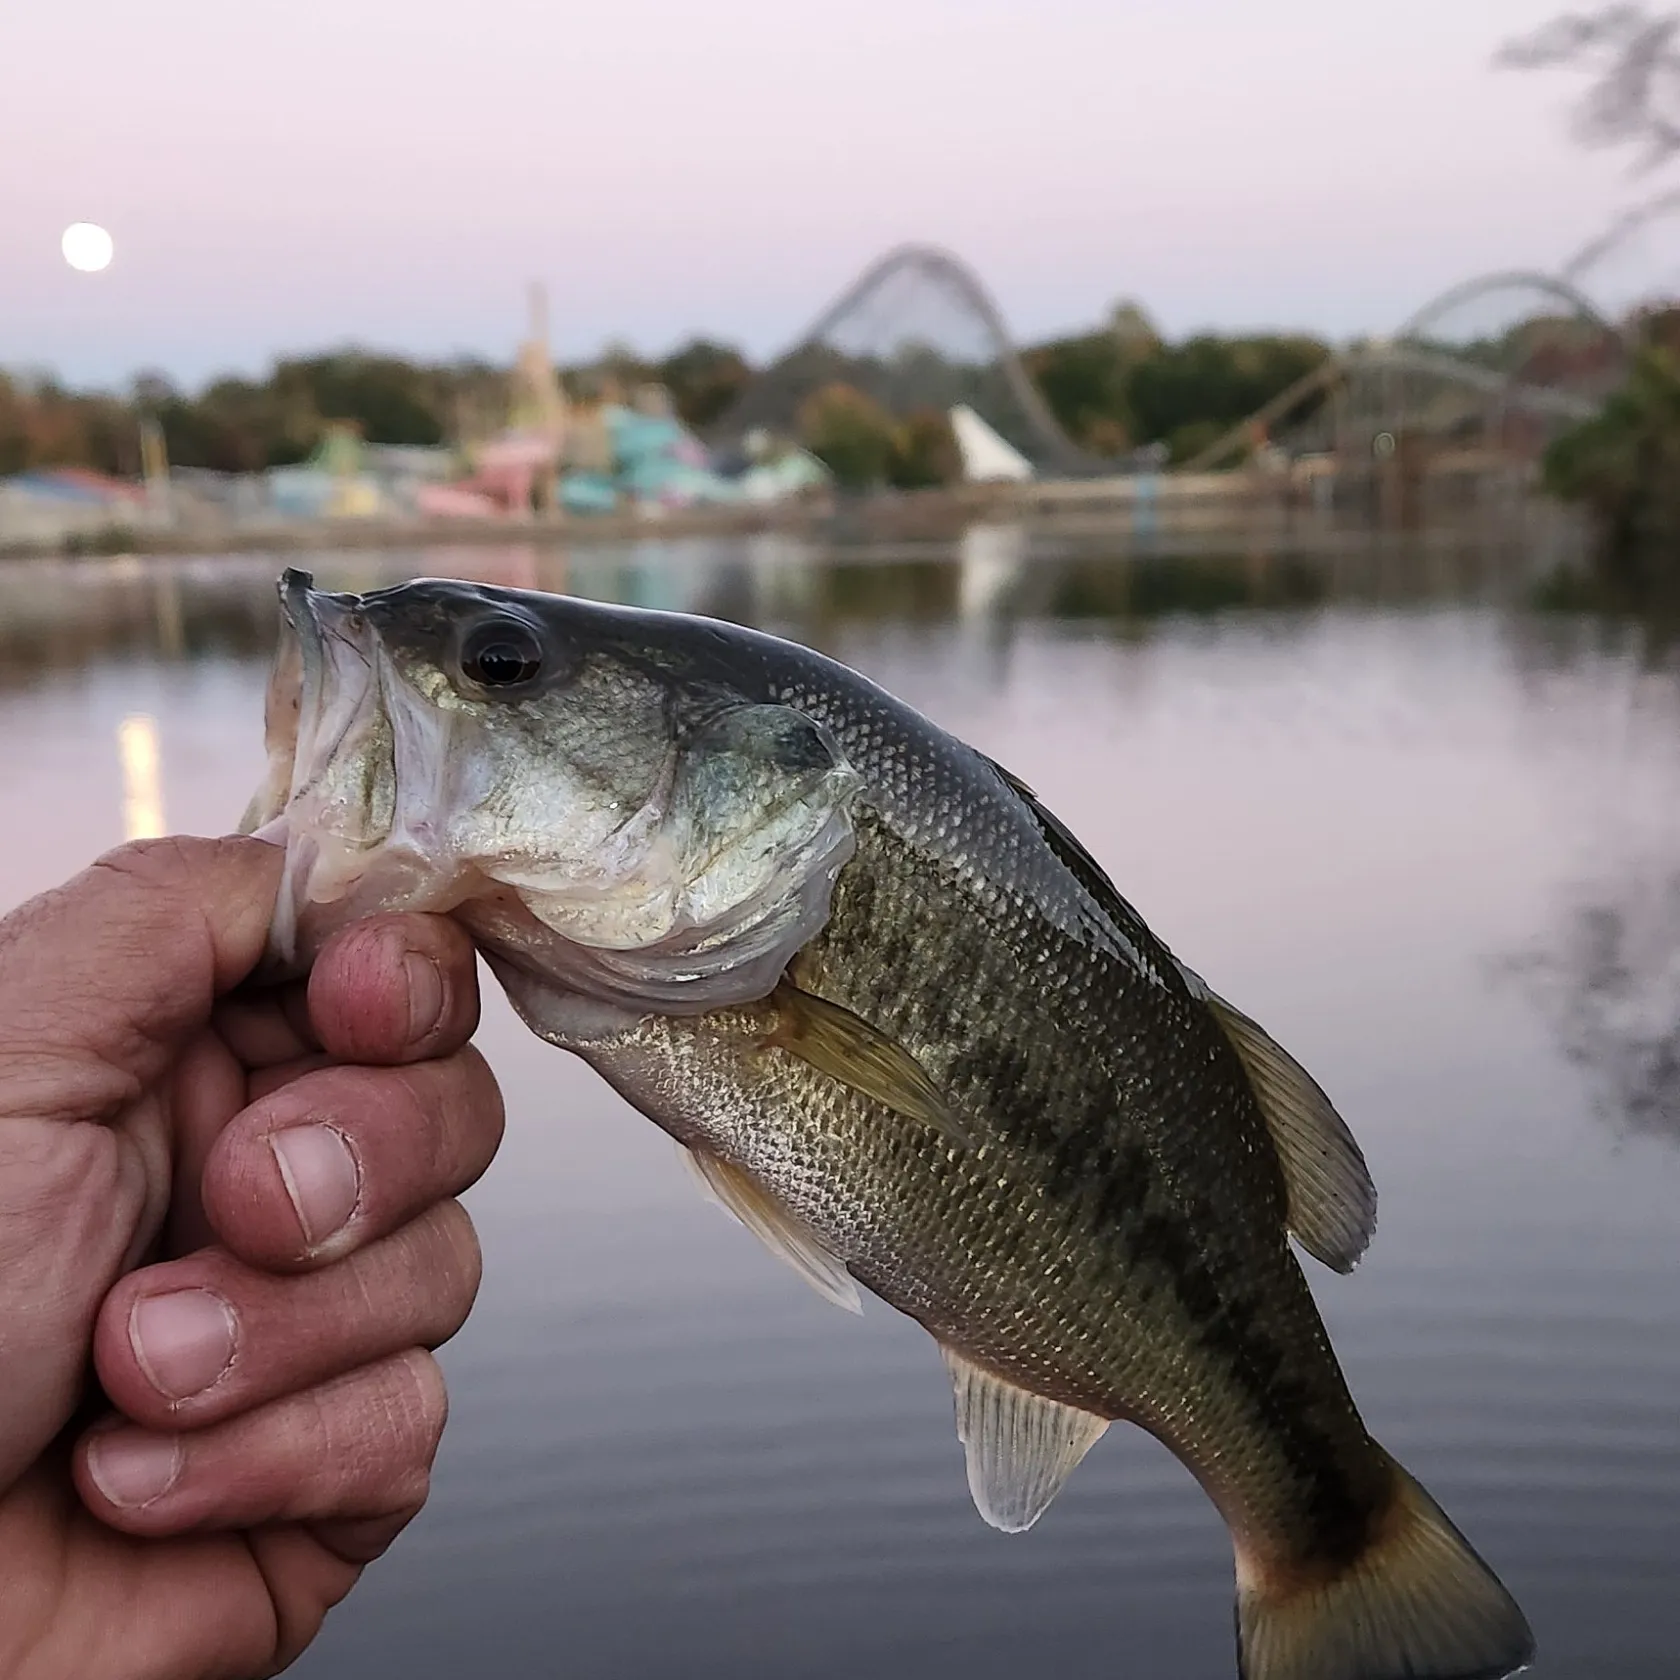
1408 353
948 273
1394 359
1556 287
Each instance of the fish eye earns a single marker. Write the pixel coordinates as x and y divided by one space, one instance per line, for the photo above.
502 654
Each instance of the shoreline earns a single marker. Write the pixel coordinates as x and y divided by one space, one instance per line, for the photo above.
1236 506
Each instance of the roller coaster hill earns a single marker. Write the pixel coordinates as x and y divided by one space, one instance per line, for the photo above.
1466 393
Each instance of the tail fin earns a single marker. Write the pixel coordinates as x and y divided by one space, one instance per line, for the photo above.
1417 1605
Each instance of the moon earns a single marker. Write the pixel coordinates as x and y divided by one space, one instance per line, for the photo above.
88 247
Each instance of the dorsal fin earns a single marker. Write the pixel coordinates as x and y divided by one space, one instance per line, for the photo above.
1129 929
1020 1447
786 1237
1332 1201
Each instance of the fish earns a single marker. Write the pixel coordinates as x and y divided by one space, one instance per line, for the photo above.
906 1029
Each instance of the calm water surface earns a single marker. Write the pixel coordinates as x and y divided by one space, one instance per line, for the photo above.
1425 833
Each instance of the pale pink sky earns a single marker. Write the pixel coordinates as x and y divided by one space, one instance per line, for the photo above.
287 176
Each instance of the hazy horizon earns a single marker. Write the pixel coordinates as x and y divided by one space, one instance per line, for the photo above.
287 180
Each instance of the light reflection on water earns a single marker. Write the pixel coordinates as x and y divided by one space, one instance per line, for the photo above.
1425 834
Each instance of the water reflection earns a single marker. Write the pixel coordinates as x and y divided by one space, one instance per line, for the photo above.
1333 781
62 615
137 746
1609 984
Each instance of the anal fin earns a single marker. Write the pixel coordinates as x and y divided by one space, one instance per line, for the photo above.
786 1237
1020 1447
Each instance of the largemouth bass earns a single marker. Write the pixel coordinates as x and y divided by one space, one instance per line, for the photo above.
909 1032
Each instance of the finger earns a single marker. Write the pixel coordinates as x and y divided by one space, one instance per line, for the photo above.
208 1088
355 1450
195 1341
391 989
265 1026
207 1085
71 1199
395 989
100 980
344 1155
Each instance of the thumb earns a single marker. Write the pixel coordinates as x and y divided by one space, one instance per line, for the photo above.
102 979
102 983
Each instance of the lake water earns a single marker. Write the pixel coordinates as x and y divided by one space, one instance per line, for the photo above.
1424 831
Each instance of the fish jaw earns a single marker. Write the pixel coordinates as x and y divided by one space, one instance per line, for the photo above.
351 789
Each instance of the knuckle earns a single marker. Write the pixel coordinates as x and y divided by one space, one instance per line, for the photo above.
319 1432
446 1270
475 1102
65 1190
170 861
146 858
420 1402
372 1437
45 1165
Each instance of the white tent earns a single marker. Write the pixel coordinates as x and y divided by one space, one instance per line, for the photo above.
986 458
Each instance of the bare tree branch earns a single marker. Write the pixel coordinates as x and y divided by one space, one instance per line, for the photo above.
1634 57
1619 231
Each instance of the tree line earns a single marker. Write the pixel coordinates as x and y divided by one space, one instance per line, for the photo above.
874 419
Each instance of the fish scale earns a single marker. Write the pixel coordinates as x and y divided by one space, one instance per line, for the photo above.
970 1248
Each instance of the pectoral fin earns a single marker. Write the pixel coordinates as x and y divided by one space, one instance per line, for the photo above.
1332 1202
845 1047
786 1237
1020 1447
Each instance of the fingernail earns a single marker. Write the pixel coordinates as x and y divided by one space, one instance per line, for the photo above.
321 1176
133 1469
183 1341
425 995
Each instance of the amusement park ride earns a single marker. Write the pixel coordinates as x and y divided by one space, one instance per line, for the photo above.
1443 396
1488 372
514 470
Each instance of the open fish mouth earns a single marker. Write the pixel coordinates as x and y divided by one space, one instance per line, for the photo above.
336 722
576 828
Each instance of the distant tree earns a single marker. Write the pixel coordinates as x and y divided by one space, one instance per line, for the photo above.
1624 464
1085 382
1190 392
875 417
704 379
1133 330
924 452
151 390
1186 442
618 371
393 401
850 433
236 426
44 425
12 425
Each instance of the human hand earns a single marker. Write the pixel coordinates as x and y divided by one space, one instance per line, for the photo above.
240 1206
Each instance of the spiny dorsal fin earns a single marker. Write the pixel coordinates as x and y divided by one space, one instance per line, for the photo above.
1020 1447
1332 1202
846 1047
786 1237
1124 925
